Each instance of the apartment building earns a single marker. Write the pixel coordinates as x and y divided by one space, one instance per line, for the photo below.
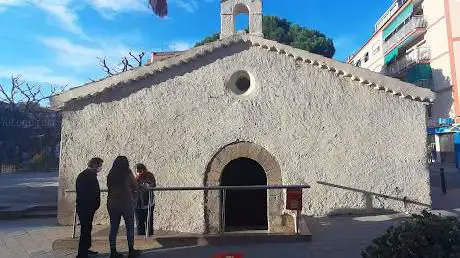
418 41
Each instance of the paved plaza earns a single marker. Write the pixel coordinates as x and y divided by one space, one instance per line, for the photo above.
340 236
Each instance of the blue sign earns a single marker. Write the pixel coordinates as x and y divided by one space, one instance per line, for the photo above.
445 121
441 130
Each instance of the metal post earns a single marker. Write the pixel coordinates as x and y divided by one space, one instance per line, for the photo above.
148 218
222 215
74 222
443 181
297 222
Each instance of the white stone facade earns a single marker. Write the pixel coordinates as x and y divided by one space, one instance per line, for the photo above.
356 137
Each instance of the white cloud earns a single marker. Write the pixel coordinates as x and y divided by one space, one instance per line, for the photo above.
67 18
188 5
40 74
85 58
120 5
70 54
180 46
58 9
11 2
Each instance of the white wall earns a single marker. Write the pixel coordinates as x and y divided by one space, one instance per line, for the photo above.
376 60
319 126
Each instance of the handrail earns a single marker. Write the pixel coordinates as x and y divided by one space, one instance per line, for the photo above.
223 189
204 188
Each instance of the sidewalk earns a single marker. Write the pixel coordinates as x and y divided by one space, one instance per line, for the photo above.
24 195
343 236
29 237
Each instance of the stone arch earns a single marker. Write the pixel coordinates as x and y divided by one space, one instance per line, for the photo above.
213 174
231 8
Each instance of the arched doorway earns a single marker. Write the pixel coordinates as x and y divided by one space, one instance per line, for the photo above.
245 209
214 176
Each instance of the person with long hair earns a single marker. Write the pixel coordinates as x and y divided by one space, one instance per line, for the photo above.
122 191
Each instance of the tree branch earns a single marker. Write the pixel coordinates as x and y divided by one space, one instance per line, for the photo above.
105 67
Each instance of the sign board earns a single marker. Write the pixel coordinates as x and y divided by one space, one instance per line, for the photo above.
294 199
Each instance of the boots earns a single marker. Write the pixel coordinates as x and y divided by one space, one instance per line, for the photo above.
133 253
115 254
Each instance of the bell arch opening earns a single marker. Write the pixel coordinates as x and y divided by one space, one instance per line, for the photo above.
229 162
241 21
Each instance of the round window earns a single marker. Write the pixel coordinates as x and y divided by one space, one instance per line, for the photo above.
241 83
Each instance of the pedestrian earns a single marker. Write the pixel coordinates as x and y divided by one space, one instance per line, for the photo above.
88 201
145 179
122 191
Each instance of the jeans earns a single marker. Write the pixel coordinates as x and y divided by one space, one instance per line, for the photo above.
141 217
85 216
115 213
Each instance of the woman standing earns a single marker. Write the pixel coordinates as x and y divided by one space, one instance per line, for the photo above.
122 188
145 180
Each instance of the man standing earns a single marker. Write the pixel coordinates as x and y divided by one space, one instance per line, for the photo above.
145 180
88 201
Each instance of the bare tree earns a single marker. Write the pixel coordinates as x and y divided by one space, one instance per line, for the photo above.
124 65
26 96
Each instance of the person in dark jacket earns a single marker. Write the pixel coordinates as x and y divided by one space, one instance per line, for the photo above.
88 201
145 180
122 193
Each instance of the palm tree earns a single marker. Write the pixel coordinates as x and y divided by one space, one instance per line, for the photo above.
159 7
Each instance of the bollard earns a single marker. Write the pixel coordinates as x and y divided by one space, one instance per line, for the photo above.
443 181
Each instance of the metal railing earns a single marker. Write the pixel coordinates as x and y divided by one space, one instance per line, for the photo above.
417 21
222 189
418 55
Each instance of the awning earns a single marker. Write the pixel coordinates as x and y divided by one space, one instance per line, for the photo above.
419 72
406 13
392 55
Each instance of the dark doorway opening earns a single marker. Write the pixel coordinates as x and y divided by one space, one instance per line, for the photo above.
245 209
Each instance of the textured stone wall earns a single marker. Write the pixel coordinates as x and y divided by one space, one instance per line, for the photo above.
358 148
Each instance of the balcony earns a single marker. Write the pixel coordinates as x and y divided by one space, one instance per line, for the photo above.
414 27
417 56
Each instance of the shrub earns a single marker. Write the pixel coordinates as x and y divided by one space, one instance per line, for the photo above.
425 235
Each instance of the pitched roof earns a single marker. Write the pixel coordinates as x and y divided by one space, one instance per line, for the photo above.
364 77
160 56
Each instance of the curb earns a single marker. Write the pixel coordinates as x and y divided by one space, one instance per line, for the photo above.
46 211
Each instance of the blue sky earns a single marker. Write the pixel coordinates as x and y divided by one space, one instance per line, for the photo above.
59 41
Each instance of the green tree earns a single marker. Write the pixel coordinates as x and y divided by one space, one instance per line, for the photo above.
285 32
208 39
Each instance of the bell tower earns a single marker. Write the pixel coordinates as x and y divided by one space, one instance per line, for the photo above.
231 8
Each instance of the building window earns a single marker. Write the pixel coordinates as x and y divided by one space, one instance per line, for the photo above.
429 111
366 57
358 63
376 48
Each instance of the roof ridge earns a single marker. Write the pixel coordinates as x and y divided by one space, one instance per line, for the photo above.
363 76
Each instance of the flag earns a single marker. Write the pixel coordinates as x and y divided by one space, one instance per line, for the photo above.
159 7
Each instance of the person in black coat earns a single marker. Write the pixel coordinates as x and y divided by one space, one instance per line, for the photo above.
88 201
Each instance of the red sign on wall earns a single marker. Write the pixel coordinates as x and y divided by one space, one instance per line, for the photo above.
294 199
228 256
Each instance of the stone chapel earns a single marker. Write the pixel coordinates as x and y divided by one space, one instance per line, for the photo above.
245 110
